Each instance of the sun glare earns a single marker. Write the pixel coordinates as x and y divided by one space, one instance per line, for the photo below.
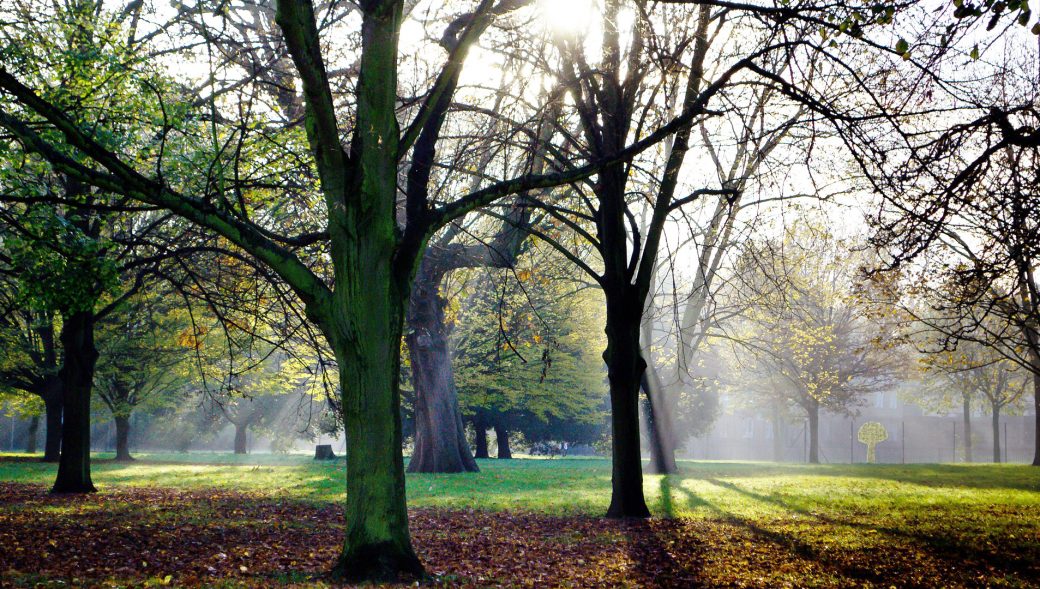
568 17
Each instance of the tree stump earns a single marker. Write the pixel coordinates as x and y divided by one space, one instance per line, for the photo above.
324 452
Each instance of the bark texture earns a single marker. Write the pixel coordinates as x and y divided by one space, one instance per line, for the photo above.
440 437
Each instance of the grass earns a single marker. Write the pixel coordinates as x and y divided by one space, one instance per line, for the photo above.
572 486
988 514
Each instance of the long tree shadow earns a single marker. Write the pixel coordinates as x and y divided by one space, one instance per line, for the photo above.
967 476
785 542
948 547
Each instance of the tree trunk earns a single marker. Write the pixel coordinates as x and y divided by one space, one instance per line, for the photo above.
480 425
378 545
52 402
814 431
624 370
659 432
778 437
30 437
440 437
372 265
123 439
1036 414
967 429
77 376
502 438
241 438
996 433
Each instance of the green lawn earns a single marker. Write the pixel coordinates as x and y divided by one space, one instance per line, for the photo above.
981 516
582 486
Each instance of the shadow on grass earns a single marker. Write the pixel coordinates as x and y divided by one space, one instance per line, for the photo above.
955 550
970 476
785 545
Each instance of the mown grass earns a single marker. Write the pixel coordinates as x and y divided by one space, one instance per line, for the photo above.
571 486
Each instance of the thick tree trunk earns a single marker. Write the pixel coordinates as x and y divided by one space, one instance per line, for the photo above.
814 431
480 425
624 370
967 429
77 375
123 439
241 438
52 403
373 265
996 434
30 436
378 545
659 432
502 438
440 437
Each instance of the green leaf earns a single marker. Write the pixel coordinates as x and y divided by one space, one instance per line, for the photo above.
902 46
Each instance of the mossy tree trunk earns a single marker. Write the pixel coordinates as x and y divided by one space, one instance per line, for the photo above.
378 545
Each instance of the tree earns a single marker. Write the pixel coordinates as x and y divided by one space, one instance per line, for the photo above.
961 201
352 266
947 383
525 353
30 360
810 327
140 346
18 404
73 247
440 443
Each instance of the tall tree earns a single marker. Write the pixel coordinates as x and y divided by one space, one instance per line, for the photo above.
961 196
357 299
